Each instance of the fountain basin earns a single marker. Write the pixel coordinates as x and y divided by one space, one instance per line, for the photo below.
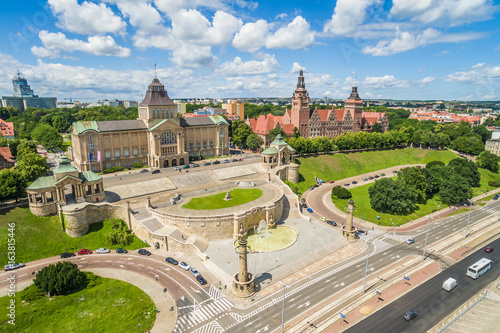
273 239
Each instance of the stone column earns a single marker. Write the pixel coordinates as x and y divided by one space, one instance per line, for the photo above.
350 209
44 198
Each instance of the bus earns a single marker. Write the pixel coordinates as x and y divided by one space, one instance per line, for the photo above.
479 268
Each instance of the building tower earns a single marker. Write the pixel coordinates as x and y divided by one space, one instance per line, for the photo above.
243 281
21 87
354 105
348 230
300 107
156 103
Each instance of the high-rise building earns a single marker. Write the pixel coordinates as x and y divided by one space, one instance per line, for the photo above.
234 108
23 96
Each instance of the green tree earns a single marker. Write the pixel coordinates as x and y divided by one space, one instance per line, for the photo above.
466 169
389 196
455 189
32 165
274 132
25 147
296 132
241 134
376 128
483 132
254 141
488 161
47 136
413 176
60 279
12 185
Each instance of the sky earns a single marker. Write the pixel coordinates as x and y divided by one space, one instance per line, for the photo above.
399 49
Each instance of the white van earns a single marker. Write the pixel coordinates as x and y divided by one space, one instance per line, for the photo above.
449 284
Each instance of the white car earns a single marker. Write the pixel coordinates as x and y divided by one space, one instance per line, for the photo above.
410 241
194 272
184 265
10 267
102 250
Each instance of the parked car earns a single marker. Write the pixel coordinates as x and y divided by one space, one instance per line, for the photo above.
186 166
365 179
370 178
303 200
207 163
395 171
332 223
376 176
156 171
311 188
322 218
184 265
409 315
496 197
488 249
234 160
121 250
67 255
194 272
310 210
304 205
195 165
84 251
177 168
172 261
410 241
102 250
354 182
382 174
347 184
332 181
201 280
225 161
144 170
10 267
144 252
216 162
241 160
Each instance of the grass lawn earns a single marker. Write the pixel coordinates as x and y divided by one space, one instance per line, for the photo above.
216 201
459 211
40 237
339 166
109 306
486 176
366 212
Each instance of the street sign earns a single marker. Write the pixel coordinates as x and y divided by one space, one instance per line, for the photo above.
343 316
407 278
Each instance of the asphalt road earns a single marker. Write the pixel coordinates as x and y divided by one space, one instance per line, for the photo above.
430 301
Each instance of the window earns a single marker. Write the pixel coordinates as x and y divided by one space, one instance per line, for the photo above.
198 145
191 146
125 152
108 165
91 137
222 132
211 143
118 164
117 153
91 145
143 150
135 151
107 154
162 112
94 168
204 145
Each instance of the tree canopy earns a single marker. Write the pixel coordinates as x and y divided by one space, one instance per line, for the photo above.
60 279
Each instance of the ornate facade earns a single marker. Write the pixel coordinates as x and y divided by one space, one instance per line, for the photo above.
157 138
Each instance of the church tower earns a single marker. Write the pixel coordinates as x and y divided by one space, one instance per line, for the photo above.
157 104
300 107
354 105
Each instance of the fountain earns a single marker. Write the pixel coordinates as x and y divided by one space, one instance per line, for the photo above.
262 238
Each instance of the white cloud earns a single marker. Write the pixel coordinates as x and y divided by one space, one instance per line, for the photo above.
247 4
296 67
98 45
163 39
428 79
251 36
140 14
348 14
192 26
170 6
296 35
193 56
386 81
87 18
237 67
281 16
403 41
479 74
453 12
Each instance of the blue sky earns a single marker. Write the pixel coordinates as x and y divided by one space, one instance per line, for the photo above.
399 49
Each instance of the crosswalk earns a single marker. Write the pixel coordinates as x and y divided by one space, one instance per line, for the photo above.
398 238
380 245
214 292
191 316
211 327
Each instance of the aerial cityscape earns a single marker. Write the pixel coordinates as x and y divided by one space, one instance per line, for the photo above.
249 166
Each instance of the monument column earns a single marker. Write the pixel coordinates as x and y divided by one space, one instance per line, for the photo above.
349 231
243 281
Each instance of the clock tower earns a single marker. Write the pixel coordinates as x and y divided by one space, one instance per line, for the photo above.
300 107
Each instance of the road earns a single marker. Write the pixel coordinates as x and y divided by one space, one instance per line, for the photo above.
430 301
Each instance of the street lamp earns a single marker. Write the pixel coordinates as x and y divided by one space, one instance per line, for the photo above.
283 311
468 218
425 246
366 269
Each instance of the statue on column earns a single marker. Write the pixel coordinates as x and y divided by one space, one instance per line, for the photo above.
348 230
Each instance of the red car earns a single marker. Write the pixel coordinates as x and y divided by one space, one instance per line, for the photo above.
488 249
84 251
332 181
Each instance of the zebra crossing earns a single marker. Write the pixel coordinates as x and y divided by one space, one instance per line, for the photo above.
211 327
214 292
380 245
194 315
398 238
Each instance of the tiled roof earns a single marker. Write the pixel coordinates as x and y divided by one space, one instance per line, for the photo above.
323 114
288 128
6 154
88 176
6 128
265 122
156 95
41 183
120 125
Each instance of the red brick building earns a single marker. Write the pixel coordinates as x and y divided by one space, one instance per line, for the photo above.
6 158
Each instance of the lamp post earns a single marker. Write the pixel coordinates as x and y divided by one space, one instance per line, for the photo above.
366 269
283 311
468 218
427 233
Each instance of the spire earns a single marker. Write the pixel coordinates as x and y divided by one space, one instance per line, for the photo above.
300 82
155 72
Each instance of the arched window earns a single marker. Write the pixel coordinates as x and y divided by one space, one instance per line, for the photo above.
168 138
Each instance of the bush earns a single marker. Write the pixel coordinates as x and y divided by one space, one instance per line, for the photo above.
341 192
120 234
494 183
111 170
31 293
137 166
61 279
